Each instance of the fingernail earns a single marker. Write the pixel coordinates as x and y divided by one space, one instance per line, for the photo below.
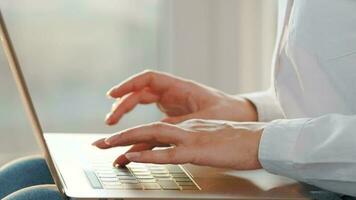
114 106
107 118
133 155
96 143
107 141
110 139
108 94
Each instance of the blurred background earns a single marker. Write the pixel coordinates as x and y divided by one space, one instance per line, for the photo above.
72 52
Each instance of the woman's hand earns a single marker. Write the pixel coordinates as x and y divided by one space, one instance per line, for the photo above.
201 142
178 98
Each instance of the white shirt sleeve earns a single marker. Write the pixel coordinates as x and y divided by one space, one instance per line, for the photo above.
266 104
318 151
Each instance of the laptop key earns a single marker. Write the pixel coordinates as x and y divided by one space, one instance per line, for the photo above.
174 169
158 171
180 175
185 183
109 179
168 185
147 180
132 186
155 166
139 170
136 165
142 173
145 177
118 169
111 183
101 171
129 181
120 173
126 178
106 175
164 179
183 179
93 179
161 175
151 186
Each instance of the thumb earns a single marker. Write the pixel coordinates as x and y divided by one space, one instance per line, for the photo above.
182 118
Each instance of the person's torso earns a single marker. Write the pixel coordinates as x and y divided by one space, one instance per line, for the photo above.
315 64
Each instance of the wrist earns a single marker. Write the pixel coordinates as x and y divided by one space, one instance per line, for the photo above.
256 134
248 110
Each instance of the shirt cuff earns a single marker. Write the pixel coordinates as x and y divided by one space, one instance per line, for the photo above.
276 150
266 104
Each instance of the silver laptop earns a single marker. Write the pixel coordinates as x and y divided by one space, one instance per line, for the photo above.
81 171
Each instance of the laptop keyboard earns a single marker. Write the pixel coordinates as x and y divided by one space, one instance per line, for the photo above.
140 177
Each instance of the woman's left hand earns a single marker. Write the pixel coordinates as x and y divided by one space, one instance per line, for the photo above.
201 142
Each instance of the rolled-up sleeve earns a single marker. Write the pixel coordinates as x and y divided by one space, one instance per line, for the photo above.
319 151
266 104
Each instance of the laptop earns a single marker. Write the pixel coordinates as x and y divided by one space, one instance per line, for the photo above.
81 171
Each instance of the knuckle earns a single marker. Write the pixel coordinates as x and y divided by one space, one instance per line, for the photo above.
192 124
227 125
187 122
159 125
194 121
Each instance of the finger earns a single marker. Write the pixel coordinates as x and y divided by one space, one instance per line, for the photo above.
122 160
104 145
101 144
157 81
152 133
129 102
175 155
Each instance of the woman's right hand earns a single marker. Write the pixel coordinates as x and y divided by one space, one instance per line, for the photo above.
178 98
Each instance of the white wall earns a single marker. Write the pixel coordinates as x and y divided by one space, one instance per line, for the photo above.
227 44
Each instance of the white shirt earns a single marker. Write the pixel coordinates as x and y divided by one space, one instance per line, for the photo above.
313 97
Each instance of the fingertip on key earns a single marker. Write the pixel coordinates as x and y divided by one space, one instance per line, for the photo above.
121 161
